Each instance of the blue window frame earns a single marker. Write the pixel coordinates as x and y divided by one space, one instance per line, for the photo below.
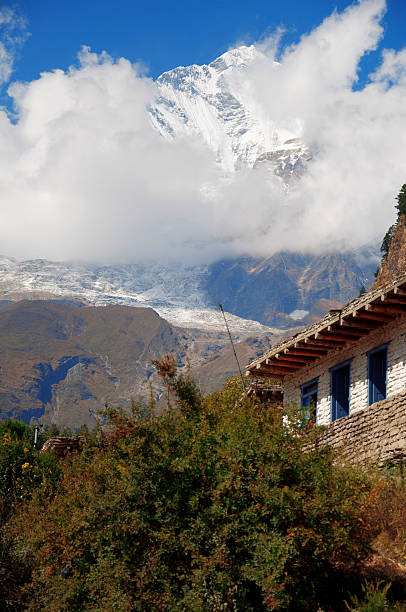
377 373
340 383
309 398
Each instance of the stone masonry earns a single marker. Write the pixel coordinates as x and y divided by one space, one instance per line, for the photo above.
375 434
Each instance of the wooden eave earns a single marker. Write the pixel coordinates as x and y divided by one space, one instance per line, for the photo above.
337 329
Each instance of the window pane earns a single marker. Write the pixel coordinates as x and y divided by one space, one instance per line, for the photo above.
340 392
309 400
377 366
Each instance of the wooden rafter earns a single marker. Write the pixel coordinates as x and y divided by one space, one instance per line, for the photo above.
259 373
348 331
284 364
315 352
270 370
337 337
319 344
269 365
395 300
363 324
294 359
380 317
388 308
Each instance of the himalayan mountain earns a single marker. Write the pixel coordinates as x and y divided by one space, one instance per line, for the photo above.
212 103
61 356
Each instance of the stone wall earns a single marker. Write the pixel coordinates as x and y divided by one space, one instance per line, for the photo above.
376 434
393 333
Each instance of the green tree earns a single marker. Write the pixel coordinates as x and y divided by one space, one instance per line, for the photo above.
386 242
401 201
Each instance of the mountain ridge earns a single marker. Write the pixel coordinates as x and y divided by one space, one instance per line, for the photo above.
255 291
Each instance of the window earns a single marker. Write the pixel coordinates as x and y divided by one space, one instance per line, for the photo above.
309 399
340 390
377 368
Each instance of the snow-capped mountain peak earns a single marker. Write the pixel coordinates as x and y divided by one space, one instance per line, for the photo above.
240 57
215 102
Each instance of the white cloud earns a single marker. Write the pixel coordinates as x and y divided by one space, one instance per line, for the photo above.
86 176
358 139
83 174
12 35
6 64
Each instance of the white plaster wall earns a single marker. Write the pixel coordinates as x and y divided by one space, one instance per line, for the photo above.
394 333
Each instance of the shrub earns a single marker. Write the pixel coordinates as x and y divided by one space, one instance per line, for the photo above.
374 599
22 471
222 511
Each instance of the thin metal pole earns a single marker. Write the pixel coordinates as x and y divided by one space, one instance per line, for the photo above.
235 354
36 431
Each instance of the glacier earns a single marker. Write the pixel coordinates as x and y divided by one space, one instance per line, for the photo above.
175 291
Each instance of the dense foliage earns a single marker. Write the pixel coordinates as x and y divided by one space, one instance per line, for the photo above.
23 470
217 504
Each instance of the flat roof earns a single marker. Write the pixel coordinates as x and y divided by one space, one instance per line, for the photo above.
337 329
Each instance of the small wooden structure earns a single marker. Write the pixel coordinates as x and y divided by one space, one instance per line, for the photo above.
266 392
63 445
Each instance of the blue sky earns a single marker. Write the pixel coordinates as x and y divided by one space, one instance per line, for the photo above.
165 34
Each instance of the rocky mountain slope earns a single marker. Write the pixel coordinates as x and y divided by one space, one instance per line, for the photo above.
59 363
395 261
289 288
177 292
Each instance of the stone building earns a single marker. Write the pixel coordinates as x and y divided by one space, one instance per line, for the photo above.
343 365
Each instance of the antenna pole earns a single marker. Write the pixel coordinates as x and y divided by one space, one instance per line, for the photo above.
235 354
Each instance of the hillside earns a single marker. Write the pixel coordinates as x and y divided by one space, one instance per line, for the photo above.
60 363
